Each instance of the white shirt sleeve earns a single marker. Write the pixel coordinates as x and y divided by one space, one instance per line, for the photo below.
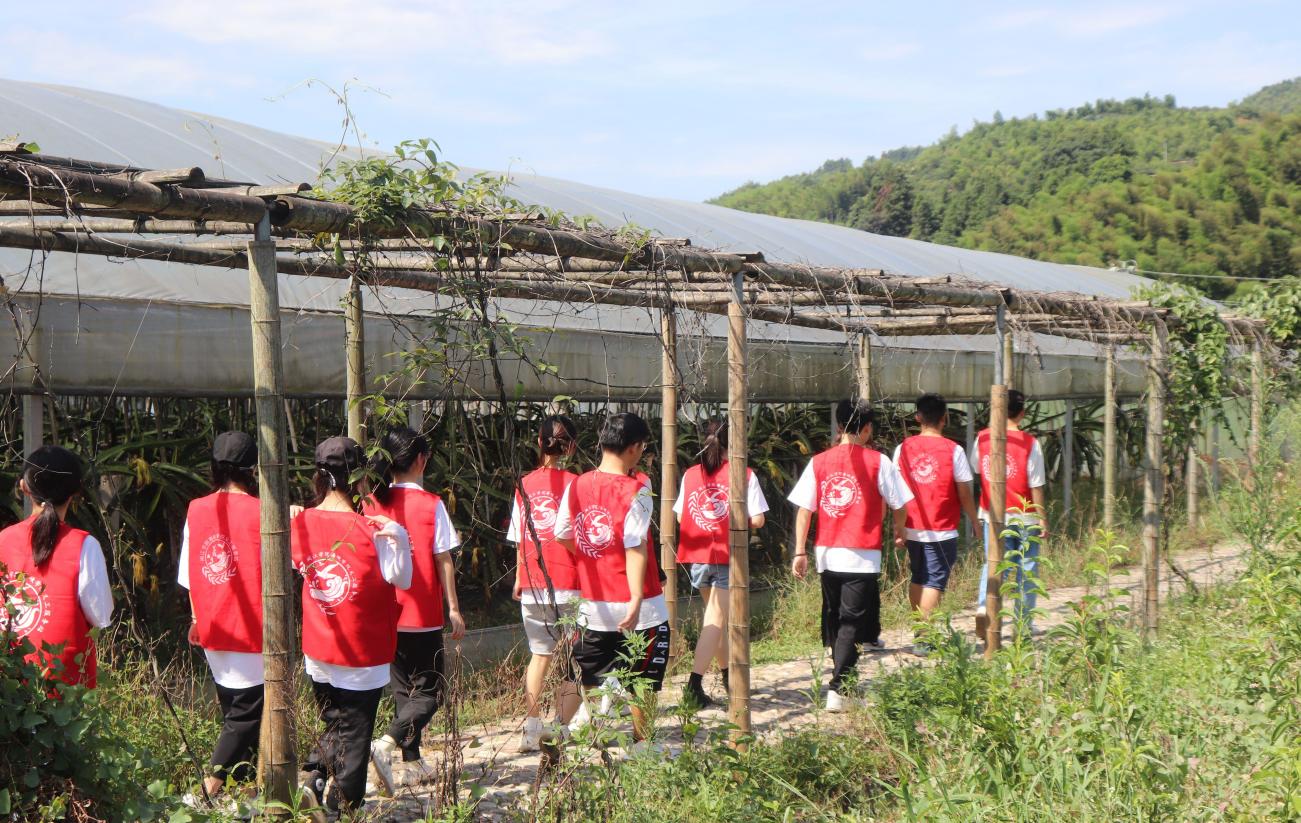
445 535
393 548
805 493
889 482
677 503
183 562
515 529
93 592
564 528
1035 472
961 468
973 456
898 450
755 502
637 523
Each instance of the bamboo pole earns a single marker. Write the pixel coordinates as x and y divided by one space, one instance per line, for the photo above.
277 753
1153 461
1009 359
1109 443
669 475
997 495
354 337
864 370
1068 460
1191 481
1257 405
1213 451
969 444
739 536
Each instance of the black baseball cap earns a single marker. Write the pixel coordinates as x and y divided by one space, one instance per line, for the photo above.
338 453
236 448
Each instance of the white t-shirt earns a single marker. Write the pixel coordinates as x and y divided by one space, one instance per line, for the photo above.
894 492
604 615
1035 473
94 595
445 540
233 670
755 502
393 549
961 474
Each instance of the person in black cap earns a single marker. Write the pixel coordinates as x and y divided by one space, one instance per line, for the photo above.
352 567
221 566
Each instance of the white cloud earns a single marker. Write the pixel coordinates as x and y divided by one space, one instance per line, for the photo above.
1084 21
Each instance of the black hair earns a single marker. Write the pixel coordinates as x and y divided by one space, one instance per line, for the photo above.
224 474
713 434
852 418
399 449
557 435
53 476
1015 402
931 408
623 431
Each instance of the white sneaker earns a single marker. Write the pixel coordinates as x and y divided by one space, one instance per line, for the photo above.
835 703
581 718
381 756
531 737
415 773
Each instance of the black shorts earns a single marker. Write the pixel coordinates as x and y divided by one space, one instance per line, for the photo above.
599 654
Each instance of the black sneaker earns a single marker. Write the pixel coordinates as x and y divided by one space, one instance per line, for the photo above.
313 796
877 645
695 699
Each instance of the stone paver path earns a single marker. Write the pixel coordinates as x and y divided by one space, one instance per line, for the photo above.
781 694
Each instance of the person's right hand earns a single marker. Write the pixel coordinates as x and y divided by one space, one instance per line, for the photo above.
193 634
800 566
518 591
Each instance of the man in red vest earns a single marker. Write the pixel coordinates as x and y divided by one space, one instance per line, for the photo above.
1026 518
936 471
848 486
604 520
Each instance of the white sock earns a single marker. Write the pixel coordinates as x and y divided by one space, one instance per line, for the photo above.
386 744
532 724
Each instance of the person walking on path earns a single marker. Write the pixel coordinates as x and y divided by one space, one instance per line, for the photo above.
848 486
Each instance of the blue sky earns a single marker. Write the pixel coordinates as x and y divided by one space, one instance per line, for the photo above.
677 99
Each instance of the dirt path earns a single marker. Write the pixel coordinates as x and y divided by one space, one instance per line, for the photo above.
781 693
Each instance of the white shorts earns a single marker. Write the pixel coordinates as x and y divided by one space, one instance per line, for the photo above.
540 624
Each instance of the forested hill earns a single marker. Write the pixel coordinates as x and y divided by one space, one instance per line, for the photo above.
1210 191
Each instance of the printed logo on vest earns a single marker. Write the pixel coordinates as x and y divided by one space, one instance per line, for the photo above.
708 506
839 493
924 469
543 506
217 559
594 530
31 609
329 581
984 467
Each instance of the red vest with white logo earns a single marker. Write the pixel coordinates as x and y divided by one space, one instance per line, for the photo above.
703 530
1019 446
417 511
226 571
926 464
350 612
49 611
545 489
849 501
598 505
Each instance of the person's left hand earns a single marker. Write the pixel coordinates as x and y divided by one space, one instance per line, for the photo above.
456 623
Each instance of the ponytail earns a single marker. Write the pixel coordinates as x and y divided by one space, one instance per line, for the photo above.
399 449
52 475
557 435
713 452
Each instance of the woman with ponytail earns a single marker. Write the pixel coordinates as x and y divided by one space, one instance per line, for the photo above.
546 580
702 510
59 572
417 673
352 568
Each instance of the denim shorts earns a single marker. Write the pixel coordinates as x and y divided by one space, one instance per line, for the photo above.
932 562
714 575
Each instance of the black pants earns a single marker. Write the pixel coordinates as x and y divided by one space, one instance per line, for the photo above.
343 752
418 688
241 721
851 609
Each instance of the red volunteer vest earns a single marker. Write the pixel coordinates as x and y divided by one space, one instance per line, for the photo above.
849 502
226 571
350 612
545 489
1019 446
49 612
926 464
598 504
417 511
703 529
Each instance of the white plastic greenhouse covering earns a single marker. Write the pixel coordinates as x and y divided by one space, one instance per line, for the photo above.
138 327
